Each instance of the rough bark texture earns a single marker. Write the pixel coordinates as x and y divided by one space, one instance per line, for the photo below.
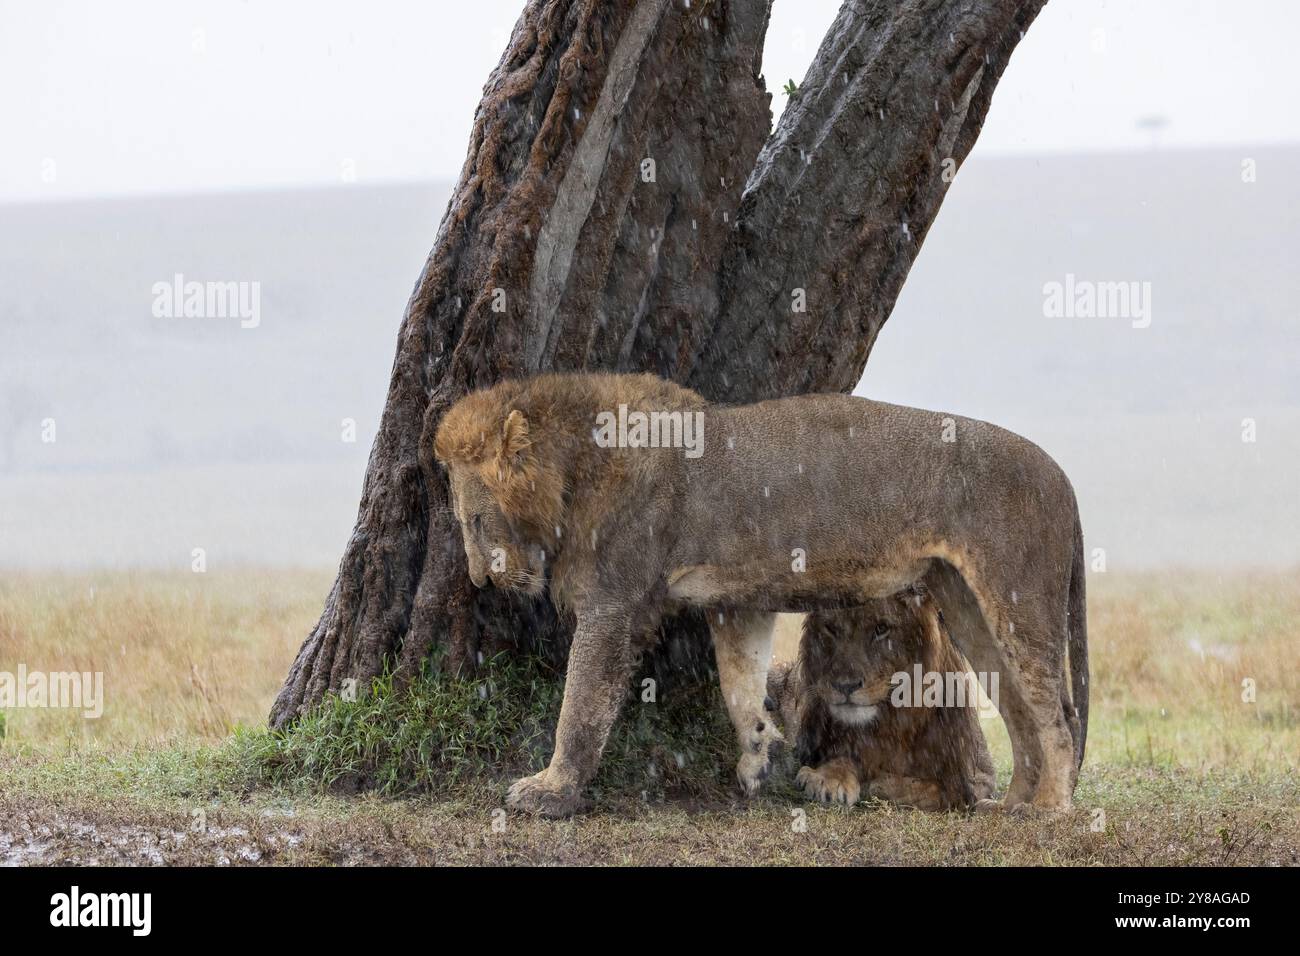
623 207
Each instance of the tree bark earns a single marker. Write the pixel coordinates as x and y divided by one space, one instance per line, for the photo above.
623 207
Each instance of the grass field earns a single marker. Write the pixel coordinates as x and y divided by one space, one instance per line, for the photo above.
1193 746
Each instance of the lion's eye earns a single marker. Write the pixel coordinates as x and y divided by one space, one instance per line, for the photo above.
881 631
478 524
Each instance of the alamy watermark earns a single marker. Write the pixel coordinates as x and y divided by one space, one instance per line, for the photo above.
1085 299
637 429
74 908
208 300
71 690
922 688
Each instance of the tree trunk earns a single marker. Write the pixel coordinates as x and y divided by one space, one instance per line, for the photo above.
623 207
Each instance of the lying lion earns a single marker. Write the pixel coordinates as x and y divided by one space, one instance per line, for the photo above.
853 727
786 505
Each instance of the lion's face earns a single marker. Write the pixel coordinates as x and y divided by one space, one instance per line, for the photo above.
849 656
493 548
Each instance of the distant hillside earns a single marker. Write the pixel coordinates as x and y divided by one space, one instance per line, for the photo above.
177 433
1147 421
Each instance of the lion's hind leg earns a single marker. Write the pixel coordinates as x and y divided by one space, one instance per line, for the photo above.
974 636
1058 769
742 642
1024 643
906 791
1033 640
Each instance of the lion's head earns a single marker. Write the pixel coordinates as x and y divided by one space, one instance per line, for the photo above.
836 702
506 497
494 548
514 451
847 658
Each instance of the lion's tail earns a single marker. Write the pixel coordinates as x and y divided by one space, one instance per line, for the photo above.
1078 644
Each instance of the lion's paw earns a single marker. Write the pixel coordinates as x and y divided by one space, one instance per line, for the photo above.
536 796
755 764
830 783
751 770
1043 810
1019 809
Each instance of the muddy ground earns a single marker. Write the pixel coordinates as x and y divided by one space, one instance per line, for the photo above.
37 829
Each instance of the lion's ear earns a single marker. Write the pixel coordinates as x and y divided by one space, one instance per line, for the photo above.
514 439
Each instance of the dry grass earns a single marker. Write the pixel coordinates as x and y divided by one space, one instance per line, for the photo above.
193 656
1185 770
184 656
1170 656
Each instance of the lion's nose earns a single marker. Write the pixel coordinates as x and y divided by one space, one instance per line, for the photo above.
847 687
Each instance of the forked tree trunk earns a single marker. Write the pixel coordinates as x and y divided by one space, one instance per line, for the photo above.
623 207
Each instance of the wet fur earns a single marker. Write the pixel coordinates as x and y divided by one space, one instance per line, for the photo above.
933 758
873 496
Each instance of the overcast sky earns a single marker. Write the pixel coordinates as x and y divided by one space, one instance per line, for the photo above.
182 95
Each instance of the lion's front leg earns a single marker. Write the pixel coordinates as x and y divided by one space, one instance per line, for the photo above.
835 781
742 642
906 791
600 666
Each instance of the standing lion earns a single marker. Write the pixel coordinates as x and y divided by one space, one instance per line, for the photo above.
855 726
627 498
